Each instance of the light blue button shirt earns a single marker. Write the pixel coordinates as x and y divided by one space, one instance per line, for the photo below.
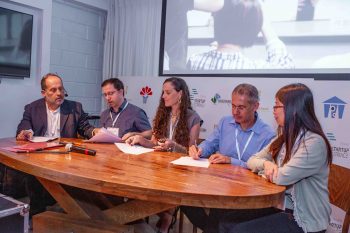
223 140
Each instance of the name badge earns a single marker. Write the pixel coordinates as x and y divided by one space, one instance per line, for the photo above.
114 131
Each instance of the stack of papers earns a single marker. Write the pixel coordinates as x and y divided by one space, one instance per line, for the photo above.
134 150
105 136
42 139
188 161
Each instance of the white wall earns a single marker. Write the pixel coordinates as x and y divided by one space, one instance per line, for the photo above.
16 93
77 51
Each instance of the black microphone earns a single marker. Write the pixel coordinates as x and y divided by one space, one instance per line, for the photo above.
65 93
78 149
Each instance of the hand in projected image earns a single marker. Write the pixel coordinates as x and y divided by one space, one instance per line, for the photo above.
242 34
306 10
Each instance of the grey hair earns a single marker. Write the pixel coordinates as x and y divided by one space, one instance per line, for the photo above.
247 90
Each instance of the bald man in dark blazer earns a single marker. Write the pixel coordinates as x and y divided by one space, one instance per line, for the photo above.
73 119
51 116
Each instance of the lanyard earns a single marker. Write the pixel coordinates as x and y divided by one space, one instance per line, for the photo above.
245 146
116 118
172 128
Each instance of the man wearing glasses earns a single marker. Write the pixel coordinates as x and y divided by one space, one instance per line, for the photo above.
234 141
238 136
122 118
53 116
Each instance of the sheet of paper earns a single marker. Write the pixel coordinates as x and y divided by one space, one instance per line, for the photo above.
188 161
105 136
135 150
42 139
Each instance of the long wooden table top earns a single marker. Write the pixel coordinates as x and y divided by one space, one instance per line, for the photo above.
148 176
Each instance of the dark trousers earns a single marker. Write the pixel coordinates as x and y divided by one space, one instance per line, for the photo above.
39 197
197 216
274 223
17 184
210 223
12 182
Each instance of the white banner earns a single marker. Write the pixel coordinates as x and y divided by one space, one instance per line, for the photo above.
211 98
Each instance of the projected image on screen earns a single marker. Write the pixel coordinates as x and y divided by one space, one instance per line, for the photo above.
255 37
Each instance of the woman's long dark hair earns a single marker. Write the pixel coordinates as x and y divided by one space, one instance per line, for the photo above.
162 118
299 117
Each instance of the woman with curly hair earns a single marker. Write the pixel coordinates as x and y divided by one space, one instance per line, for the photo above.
175 128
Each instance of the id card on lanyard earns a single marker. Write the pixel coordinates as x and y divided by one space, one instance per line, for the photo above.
116 118
245 146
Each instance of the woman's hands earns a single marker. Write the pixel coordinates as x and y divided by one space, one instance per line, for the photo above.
165 145
270 170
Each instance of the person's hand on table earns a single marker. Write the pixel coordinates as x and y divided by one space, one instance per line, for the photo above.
128 135
165 145
195 152
95 131
270 170
25 135
134 140
219 158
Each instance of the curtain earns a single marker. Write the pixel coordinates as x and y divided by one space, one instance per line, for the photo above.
132 38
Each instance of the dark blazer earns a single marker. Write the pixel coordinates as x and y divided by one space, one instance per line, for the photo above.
73 119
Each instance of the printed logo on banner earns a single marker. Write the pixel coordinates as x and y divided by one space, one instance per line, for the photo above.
339 149
194 92
264 109
198 100
341 152
334 108
145 92
331 137
217 99
335 226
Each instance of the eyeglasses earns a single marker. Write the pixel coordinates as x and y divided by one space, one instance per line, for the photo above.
239 107
277 106
109 93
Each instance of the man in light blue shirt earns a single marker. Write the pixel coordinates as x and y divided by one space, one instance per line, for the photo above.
239 136
234 141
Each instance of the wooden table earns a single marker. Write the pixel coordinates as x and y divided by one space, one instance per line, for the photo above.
149 180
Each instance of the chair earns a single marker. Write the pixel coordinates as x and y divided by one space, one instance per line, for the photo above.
94 120
339 190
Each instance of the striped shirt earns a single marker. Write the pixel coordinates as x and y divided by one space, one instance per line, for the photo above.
277 58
